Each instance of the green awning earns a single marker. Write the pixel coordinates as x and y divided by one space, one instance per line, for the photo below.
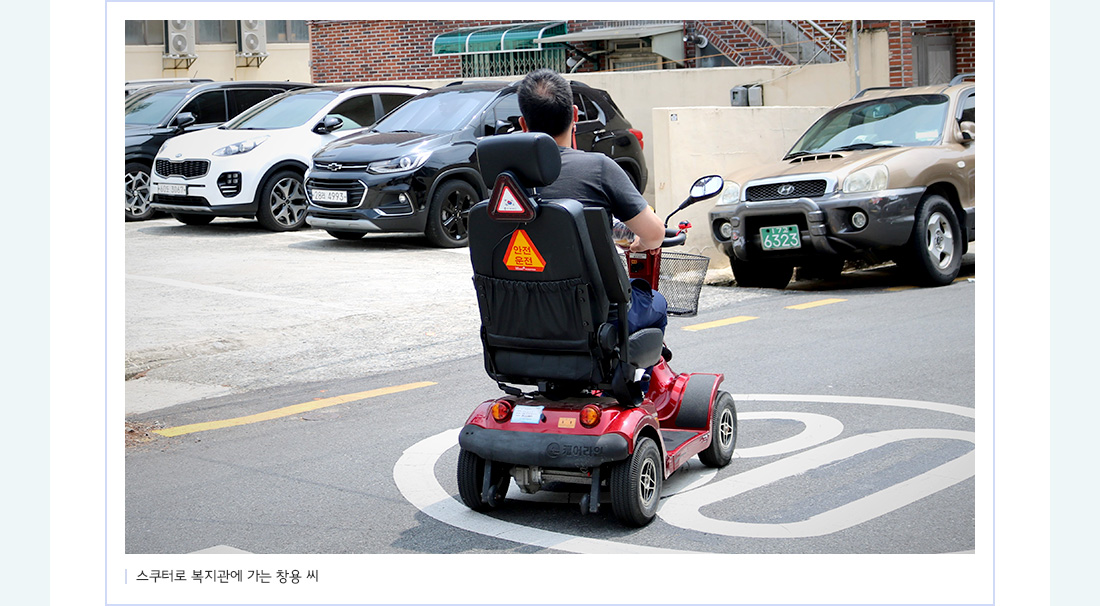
496 38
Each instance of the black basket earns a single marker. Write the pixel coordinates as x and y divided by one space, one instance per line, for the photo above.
682 276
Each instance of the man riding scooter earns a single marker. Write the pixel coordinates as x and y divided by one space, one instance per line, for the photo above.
546 105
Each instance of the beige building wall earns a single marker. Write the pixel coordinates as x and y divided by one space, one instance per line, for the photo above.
691 142
288 61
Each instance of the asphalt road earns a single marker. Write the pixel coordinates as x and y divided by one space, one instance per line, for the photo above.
856 399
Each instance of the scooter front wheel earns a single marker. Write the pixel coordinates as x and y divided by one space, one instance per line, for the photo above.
471 480
636 485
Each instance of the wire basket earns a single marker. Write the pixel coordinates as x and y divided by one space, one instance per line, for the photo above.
682 276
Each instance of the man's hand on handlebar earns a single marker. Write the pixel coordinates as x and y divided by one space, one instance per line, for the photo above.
649 231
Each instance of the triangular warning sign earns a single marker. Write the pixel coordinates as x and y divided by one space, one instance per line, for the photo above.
508 202
521 254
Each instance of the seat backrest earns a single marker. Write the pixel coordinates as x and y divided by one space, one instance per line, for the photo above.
548 287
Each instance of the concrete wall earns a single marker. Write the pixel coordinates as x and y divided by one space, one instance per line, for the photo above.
288 61
691 142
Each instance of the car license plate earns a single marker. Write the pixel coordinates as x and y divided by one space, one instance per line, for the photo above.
781 237
171 189
328 195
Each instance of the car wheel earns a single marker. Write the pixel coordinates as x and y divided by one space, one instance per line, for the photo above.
282 204
761 275
345 235
636 485
449 214
190 219
138 192
936 246
471 477
723 432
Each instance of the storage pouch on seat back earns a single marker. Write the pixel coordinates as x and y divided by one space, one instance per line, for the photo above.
554 315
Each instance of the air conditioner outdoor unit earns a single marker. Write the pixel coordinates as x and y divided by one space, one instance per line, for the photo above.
179 39
251 43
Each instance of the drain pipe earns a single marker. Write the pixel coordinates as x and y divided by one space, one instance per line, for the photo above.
855 51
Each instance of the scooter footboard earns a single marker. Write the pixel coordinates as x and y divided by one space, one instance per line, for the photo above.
695 407
544 449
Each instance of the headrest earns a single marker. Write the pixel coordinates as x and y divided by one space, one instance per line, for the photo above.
532 157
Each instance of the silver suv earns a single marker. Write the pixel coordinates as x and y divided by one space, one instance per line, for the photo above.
888 174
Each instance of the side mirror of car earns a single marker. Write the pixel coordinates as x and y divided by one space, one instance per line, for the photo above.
182 120
329 124
966 131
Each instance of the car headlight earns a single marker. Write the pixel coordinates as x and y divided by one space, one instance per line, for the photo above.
398 165
240 147
872 178
731 194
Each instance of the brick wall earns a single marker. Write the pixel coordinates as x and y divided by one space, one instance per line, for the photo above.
901 33
346 51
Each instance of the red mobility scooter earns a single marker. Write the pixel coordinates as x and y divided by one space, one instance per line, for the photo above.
553 294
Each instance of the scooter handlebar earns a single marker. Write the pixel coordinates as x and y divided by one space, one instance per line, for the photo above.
674 237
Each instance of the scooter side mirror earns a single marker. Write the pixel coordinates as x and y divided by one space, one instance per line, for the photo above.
706 187
329 124
703 189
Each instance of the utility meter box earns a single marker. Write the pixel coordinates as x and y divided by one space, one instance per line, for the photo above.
746 96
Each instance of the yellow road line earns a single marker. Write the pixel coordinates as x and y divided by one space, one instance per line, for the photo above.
818 303
717 323
900 288
289 410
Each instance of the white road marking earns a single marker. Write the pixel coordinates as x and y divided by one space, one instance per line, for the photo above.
683 510
414 474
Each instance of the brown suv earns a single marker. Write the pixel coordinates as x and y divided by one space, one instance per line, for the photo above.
888 174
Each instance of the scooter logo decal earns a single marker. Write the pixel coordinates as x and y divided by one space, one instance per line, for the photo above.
522 255
508 202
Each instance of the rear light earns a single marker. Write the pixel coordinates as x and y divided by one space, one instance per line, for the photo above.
500 410
638 135
590 415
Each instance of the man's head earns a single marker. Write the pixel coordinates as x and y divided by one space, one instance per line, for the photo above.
546 102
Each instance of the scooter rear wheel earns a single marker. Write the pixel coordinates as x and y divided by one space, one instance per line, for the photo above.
471 478
636 485
723 432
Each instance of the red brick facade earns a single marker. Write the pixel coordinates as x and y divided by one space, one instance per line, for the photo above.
345 51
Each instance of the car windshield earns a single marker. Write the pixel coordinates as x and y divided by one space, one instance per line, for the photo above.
439 113
282 111
909 121
148 108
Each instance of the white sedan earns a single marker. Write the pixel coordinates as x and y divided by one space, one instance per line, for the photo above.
252 166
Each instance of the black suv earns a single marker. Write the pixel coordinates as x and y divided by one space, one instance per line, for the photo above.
416 171
156 113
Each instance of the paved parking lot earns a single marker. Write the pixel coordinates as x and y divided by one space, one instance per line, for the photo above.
230 307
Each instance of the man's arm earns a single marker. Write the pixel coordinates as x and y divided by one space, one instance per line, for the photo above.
648 230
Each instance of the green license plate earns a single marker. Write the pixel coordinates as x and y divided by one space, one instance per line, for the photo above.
782 237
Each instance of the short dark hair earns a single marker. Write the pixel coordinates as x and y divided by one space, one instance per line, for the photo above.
546 102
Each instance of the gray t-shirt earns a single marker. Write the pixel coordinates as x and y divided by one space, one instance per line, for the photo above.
593 179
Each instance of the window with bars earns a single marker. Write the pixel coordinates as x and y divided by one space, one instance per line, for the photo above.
517 63
217 32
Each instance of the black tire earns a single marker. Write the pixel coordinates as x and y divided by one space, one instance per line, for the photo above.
282 202
723 432
936 246
138 192
636 485
345 235
449 214
761 275
471 476
191 219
